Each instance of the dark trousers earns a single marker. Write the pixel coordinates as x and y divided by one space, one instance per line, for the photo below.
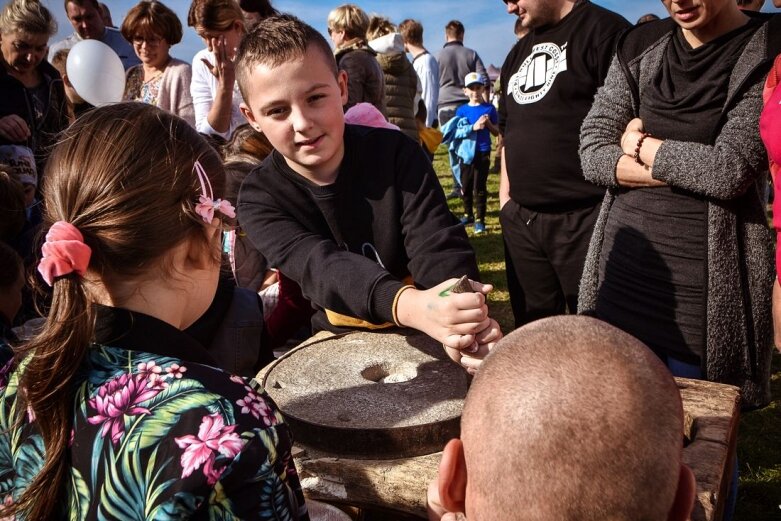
547 252
474 178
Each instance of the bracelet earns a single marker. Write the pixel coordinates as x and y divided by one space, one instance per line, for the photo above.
636 157
394 310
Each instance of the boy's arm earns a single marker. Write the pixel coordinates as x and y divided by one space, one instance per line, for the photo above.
329 276
492 122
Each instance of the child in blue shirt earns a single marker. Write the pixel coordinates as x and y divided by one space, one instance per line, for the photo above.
474 176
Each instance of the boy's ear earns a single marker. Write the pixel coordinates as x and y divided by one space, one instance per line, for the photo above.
684 496
249 116
341 79
452 477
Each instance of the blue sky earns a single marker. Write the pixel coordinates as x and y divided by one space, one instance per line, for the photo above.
489 30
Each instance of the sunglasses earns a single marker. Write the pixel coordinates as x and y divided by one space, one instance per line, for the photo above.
510 2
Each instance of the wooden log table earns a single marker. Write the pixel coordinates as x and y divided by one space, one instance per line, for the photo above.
399 484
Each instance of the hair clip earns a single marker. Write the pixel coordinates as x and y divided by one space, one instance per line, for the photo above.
207 205
64 252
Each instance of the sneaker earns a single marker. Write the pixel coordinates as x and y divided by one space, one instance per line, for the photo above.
479 227
467 219
455 193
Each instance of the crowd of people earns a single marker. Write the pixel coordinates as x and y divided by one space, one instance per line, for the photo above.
163 247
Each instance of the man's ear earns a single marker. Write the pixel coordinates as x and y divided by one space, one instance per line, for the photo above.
452 477
684 496
249 116
341 80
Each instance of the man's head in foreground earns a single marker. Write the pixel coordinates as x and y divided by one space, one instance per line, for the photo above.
568 418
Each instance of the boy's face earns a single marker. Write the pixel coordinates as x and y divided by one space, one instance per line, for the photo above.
475 93
298 106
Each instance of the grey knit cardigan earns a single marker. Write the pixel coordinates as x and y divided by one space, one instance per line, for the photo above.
730 174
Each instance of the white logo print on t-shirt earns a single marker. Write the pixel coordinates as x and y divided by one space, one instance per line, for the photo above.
537 73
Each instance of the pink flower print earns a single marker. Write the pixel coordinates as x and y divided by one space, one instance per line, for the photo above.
152 372
213 437
175 371
117 398
149 369
255 405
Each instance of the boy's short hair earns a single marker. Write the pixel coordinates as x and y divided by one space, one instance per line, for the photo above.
276 40
412 32
349 18
454 29
60 59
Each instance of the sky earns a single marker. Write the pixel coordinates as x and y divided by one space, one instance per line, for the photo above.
489 29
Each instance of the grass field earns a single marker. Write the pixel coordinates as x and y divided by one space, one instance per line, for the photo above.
759 442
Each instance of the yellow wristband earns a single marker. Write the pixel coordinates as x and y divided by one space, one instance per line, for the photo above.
394 310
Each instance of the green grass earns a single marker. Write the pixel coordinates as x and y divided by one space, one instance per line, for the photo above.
759 439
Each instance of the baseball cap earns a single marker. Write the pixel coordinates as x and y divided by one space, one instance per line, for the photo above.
472 78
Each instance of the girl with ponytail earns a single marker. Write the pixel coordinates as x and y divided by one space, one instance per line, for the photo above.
112 411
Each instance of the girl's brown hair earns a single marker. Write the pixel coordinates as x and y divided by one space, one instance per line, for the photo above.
214 15
123 176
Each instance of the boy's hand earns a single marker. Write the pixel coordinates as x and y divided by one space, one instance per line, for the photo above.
455 319
480 123
471 357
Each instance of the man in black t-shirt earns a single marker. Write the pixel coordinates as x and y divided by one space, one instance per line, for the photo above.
548 210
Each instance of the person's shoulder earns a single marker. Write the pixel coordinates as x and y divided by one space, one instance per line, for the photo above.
605 17
176 66
636 40
113 36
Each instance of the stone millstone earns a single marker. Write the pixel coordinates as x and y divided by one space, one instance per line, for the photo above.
373 395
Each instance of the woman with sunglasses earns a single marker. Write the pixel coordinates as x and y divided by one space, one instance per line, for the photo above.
160 79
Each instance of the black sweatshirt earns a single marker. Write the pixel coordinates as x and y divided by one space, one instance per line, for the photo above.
549 80
350 244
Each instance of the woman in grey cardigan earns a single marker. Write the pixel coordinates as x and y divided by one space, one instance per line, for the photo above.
160 79
681 253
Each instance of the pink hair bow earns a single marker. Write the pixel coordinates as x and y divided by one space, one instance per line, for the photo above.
207 205
64 252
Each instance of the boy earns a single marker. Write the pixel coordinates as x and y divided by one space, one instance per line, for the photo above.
474 176
353 214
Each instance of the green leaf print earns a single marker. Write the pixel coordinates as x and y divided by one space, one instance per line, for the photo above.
166 409
79 496
130 489
28 461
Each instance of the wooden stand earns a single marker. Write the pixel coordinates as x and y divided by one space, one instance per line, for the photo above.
712 414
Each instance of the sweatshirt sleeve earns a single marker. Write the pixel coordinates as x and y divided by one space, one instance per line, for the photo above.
725 169
329 276
435 242
601 131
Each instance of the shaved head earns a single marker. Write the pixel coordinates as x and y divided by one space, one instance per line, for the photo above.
570 418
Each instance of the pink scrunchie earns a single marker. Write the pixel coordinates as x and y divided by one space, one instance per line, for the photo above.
64 252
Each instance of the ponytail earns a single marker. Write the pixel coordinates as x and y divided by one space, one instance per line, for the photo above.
52 360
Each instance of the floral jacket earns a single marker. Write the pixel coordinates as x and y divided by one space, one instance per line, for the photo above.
156 435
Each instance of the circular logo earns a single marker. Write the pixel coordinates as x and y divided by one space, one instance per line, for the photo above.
537 73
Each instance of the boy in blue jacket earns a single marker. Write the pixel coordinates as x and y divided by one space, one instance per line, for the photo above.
474 176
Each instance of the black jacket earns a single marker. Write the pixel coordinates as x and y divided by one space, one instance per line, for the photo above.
15 99
349 245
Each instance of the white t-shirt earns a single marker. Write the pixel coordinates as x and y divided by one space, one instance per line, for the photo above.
203 87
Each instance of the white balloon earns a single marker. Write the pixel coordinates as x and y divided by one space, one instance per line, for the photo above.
96 72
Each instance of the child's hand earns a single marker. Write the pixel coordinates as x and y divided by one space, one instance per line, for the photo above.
480 123
471 357
454 319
